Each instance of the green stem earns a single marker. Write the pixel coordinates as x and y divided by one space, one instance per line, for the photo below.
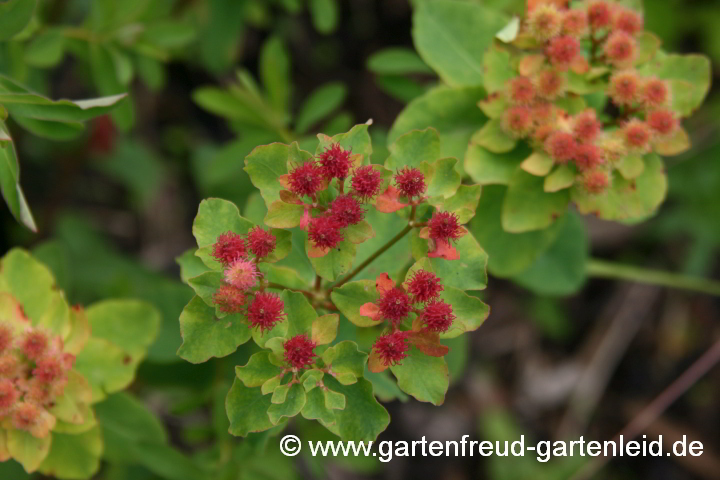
604 269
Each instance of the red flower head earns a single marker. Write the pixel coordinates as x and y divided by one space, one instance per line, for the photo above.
588 156
586 126
261 242
628 21
620 48
574 22
366 182
562 51
637 135
25 416
48 370
229 299
410 182
423 286
325 232
335 162
596 181
544 22
306 179
265 311
8 365
395 305
34 344
6 337
550 84
438 316
347 210
655 93
662 121
391 348
517 121
229 247
561 146
299 351
8 396
445 226
242 274
521 90
624 88
599 14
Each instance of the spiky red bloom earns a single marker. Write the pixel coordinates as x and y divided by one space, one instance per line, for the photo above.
366 182
410 182
242 274
517 121
596 181
229 247
550 84
335 162
347 210
265 311
445 226
8 395
588 156
48 370
325 232
586 126
8 365
229 299
306 179
599 14
6 337
34 344
620 48
394 305
637 134
299 351
544 22
655 92
521 90
423 286
562 50
574 22
392 347
628 21
438 316
261 242
25 415
662 121
624 88
561 146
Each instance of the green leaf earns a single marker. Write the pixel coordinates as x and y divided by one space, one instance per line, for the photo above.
359 233
74 456
258 370
509 253
266 164
493 138
494 105
105 76
470 312
414 148
190 265
353 295
316 409
560 270
561 178
337 262
205 336
215 217
334 400
463 203
345 358
26 449
627 199
321 103
324 15
423 377
442 177
324 328
510 31
300 314
498 69
538 164
291 406
363 418
674 144
274 67
247 409
647 45
106 366
357 140
284 215
10 184
452 112
14 16
397 61
46 50
451 36
132 325
488 168
528 207
693 73
631 166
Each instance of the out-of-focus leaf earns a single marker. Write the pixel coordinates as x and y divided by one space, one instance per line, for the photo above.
324 15
321 102
46 50
397 61
275 73
14 15
10 182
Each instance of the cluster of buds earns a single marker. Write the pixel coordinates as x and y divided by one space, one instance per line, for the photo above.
299 352
242 290
419 296
33 374
641 105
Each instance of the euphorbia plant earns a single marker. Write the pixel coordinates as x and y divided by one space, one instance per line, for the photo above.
356 265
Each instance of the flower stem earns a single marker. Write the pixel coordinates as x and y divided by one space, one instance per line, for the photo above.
603 269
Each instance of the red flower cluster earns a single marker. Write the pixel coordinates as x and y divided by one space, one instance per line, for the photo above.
366 182
299 352
229 247
306 179
391 348
335 162
261 242
423 286
410 182
265 311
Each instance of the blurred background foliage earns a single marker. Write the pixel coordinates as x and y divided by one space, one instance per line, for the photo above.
211 79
